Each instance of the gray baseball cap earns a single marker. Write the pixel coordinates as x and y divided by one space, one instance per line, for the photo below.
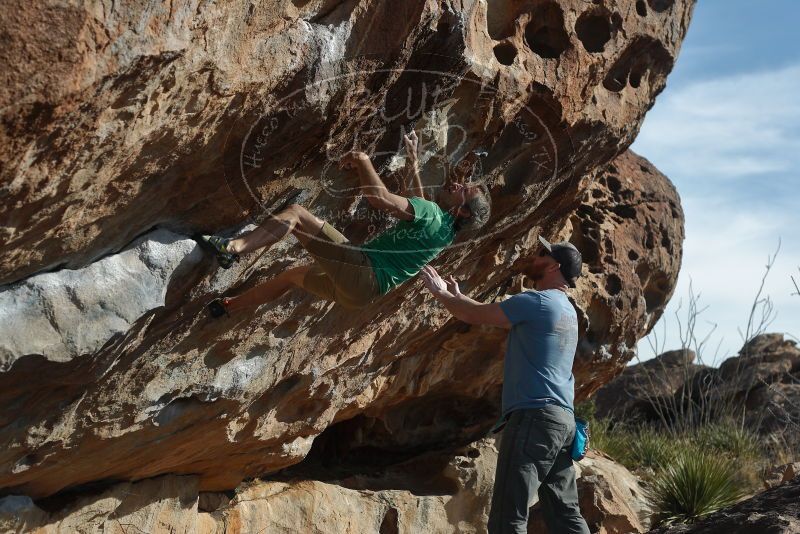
567 256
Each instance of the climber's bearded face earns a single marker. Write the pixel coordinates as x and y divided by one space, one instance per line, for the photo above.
454 194
451 194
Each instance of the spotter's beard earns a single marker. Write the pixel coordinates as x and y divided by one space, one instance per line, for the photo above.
533 270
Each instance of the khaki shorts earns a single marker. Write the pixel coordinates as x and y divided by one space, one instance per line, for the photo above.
341 272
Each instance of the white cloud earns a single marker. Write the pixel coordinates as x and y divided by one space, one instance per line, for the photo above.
738 137
727 248
727 127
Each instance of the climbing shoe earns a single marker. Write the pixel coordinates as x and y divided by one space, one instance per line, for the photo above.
219 307
219 245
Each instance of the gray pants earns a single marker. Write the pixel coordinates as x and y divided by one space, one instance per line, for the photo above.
535 456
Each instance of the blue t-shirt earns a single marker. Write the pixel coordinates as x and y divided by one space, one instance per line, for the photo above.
540 350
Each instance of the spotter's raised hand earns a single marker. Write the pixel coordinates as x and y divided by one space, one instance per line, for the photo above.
433 281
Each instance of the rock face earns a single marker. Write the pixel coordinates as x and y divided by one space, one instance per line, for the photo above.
763 380
776 511
161 504
66 314
629 230
132 116
641 387
175 392
152 121
441 491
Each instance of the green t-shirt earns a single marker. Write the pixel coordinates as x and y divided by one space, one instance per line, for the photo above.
401 251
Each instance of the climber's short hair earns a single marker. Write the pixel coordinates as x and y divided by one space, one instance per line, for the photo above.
480 208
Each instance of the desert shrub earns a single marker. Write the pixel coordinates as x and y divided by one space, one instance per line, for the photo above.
782 447
653 449
738 443
728 437
693 485
605 436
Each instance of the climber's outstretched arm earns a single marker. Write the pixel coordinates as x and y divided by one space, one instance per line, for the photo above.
373 188
461 306
412 165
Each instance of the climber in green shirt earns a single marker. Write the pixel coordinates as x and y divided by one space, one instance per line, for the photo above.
355 275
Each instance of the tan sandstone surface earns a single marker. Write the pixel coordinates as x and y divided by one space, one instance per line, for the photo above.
436 492
129 127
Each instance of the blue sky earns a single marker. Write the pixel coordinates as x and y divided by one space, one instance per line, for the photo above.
726 131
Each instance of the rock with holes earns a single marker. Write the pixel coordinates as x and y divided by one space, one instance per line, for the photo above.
193 116
199 389
183 117
630 232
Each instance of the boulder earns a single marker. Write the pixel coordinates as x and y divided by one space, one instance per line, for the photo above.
128 128
161 504
762 381
169 390
18 513
640 388
776 408
629 230
190 116
439 491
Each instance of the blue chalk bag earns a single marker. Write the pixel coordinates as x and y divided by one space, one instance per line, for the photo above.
580 445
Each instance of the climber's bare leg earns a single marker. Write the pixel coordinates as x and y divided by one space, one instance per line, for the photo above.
269 290
295 219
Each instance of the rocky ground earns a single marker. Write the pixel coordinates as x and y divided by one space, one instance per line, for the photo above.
774 511
126 128
434 492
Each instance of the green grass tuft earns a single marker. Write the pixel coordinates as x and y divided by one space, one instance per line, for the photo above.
695 484
652 449
730 439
